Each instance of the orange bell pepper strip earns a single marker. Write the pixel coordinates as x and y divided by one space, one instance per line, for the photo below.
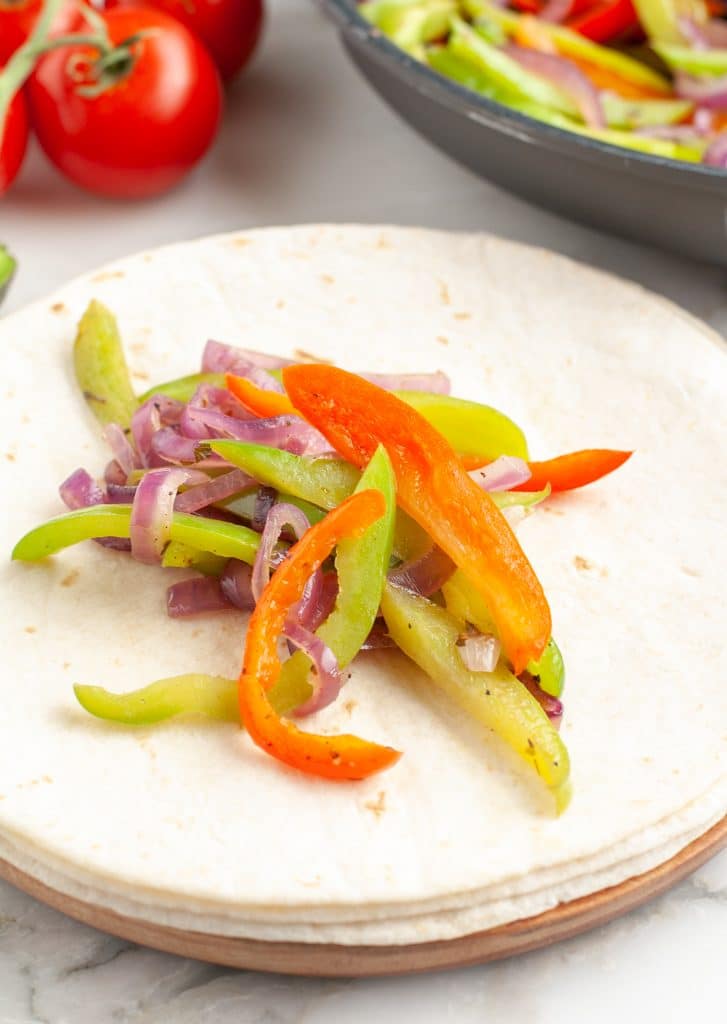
343 757
263 403
434 488
566 472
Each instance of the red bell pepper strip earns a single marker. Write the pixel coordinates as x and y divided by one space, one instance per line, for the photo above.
262 403
566 472
605 21
342 757
434 488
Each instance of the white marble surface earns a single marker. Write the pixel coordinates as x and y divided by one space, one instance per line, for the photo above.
305 140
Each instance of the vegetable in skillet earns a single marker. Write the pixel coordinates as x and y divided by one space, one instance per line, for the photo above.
549 63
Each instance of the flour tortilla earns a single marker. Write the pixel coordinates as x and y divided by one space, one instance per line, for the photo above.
190 824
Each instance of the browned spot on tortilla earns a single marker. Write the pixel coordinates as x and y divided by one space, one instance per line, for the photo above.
310 357
350 705
147 257
444 295
66 665
138 347
280 304
382 242
462 316
241 241
107 275
442 340
140 375
48 779
582 563
58 307
328 279
9 456
25 418
70 579
378 806
552 510
30 629
688 571
603 571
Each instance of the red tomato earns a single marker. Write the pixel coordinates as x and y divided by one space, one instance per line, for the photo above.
17 18
144 132
14 142
229 29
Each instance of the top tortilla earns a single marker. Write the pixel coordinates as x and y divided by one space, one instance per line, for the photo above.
189 823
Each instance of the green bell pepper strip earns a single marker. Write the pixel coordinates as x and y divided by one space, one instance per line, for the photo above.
475 431
695 62
572 44
181 556
626 113
361 565
244 505
195 693
100 365
504 72
183 387
8 266
660 18
410 23
466 604
428 635
227 540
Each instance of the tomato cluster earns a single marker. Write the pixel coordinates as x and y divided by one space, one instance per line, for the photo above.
132 121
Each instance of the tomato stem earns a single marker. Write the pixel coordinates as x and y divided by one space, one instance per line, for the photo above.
20 66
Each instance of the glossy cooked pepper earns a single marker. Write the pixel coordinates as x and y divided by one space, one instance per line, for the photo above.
339 758
361 563
428 635
190 694
181 556
477 432
228 540
183 387
463 602
567 472
434 488
8 267
101 369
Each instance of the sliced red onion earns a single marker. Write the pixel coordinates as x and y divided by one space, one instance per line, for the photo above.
114 474
145 422
708 35
503 474
555 11
210 491
80 490
437 383
219 358
479 652
122 450
151 513
326 678
264 501
550 705
707 92
280 516
564 74
378 639
121 494
236 584
290 433
319 597
424 575
196 596
716 155
169 446
703 120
